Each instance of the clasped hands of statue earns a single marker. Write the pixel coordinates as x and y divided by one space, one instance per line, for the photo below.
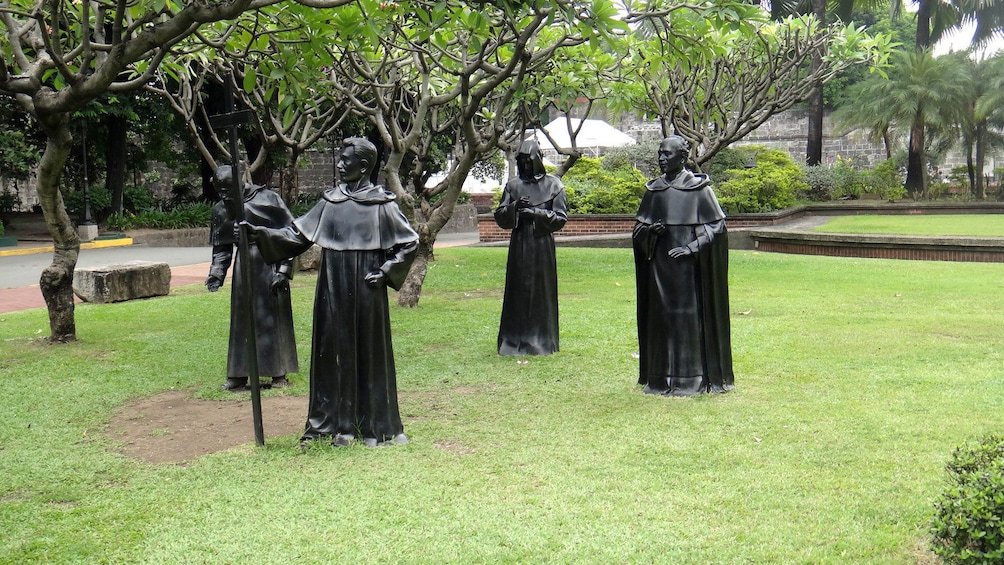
523 205
280 280
659 228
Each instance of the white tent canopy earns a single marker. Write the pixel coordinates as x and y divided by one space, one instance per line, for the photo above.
594 135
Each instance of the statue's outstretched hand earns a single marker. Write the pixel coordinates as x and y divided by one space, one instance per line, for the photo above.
375 279
213 283
280 283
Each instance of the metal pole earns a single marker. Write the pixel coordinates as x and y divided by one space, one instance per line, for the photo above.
247 289
87 220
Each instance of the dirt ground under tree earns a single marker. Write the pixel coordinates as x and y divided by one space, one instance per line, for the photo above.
174 427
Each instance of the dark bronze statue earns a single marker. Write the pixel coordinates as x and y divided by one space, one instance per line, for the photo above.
681 263
533 206
273 314
367 245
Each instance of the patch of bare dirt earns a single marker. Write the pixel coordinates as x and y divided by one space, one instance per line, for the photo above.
173 427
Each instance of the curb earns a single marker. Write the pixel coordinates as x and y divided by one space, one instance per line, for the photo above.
121 242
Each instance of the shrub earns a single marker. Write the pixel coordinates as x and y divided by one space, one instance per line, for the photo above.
729 159
821 182
643 156
303 203
194 215
136 198
884 179
770 185
848 178
593 188
101 202
968 525
9 202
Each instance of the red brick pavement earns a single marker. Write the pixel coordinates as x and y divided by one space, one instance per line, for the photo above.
23 298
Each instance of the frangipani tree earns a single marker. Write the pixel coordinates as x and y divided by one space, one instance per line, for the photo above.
281 64
714 82
449 69
57 55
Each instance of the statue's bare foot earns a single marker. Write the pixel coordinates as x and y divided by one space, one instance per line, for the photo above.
279 382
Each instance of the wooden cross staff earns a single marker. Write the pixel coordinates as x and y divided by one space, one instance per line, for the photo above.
230 120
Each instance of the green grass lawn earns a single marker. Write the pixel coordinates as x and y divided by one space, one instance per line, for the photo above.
976 225
855 378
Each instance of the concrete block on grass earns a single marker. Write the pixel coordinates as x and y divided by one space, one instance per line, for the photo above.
122 281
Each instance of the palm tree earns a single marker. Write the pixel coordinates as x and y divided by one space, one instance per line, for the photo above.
919 85
984 120
934 18
824 12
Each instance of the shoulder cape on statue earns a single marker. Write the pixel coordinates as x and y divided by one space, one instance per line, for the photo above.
366 219
686 200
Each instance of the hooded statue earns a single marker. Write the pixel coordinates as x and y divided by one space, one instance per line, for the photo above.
273 311
533 206
681 265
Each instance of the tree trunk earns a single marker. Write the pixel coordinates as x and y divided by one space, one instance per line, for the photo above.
915 151
971 170
569 162
814 135
289 179
115 159
814 139
923 38
915 158
56 281
411 290
979 187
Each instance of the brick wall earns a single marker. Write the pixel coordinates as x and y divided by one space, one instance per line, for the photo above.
578 224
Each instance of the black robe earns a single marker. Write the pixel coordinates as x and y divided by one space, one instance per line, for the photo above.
273 312
353 382
529 324
683 303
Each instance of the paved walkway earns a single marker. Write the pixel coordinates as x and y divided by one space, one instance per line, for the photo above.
26 297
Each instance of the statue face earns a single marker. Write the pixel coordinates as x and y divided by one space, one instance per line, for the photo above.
524 166
350 167
223 181
671 157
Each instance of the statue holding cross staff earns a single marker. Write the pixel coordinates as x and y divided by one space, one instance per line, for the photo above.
243 304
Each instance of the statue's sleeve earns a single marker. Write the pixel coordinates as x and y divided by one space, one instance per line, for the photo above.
506 214
644 240
283 218
706 234
277 244
222 239
398 263
222 256
552 219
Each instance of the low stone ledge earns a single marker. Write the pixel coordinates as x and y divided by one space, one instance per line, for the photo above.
122 281
915 247
188 237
